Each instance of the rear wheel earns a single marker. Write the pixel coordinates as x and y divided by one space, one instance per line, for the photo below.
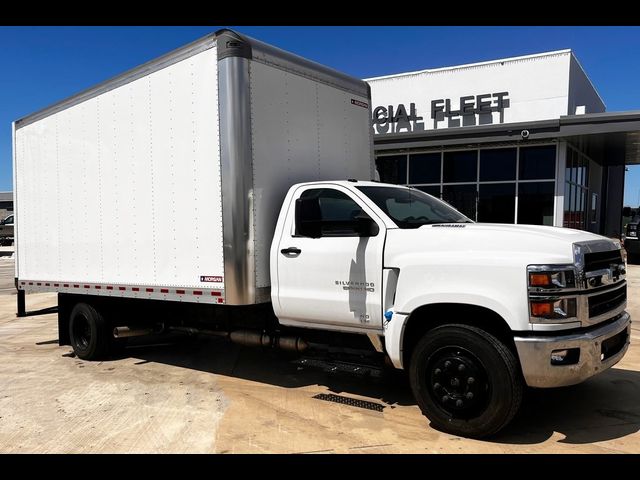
466 381
88 332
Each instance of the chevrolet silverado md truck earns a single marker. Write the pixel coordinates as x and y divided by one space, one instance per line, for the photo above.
199 193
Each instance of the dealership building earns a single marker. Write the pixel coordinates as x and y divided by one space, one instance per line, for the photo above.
519 140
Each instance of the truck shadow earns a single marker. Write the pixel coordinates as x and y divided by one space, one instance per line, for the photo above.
603 408
273 367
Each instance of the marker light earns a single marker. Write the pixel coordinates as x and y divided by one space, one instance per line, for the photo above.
541 309
539 279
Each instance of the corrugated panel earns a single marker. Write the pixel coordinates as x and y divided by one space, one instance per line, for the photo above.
124 187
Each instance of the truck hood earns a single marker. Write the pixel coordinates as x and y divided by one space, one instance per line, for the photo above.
469 243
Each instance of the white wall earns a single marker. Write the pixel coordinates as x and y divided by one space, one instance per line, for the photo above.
538 87
581 91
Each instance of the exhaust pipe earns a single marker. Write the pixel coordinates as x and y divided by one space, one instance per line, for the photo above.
198 331
126 332
257 339
248 338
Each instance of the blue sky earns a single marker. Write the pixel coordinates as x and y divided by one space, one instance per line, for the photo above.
44 64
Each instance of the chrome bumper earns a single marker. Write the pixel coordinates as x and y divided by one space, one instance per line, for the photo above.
535 354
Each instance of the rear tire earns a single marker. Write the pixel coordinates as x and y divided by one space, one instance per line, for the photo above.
89 332
465 380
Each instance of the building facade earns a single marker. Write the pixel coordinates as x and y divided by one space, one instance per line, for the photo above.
519 140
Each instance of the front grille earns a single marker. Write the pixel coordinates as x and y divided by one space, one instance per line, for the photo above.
601 260
604 302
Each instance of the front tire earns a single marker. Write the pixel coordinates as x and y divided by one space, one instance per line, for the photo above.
465 380
88 332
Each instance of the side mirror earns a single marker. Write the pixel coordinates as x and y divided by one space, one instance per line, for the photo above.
626 212
308 218
366 226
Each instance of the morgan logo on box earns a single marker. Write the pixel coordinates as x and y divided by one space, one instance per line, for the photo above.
359 103
211 278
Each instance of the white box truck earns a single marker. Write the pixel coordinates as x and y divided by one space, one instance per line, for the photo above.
198 193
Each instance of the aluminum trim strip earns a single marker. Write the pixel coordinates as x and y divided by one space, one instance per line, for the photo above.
236 159
153 292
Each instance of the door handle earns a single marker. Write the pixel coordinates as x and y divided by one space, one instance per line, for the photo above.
291 251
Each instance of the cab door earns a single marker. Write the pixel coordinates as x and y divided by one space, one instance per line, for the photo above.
329 267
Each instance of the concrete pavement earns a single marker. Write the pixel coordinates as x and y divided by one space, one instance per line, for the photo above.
210 396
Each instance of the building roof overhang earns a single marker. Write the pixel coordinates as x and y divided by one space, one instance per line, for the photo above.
617 132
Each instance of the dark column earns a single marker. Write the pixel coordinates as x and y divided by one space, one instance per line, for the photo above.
22 311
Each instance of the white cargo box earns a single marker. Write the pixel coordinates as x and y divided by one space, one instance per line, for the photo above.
166 181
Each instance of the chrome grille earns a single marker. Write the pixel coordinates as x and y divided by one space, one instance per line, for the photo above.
607 301
601 260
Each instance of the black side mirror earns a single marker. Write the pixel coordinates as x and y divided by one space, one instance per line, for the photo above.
626 211
366 226
308 218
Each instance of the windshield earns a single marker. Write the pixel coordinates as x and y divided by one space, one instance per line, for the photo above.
410 208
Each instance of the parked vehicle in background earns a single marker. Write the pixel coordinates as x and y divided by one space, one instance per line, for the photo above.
631 240
6 231
241 144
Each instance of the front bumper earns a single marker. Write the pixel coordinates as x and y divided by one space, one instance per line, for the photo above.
535 354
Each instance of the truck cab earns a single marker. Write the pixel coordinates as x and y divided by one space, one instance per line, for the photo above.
473 311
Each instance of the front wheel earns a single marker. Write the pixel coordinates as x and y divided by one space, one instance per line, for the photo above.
465 380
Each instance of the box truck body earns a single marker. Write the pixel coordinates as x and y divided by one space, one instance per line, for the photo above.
166 181
210 176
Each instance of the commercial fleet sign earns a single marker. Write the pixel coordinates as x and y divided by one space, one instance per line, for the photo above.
441 113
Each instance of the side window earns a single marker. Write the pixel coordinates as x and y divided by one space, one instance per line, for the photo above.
9 220
337 212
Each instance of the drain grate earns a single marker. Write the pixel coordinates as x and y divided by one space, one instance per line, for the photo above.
352 402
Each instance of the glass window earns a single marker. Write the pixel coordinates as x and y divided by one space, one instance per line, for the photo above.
568 175
460 166
410 208
431 190
535 203
537 162
497 202
498 164
424 168
594 205
9 220
462 197
392 169
337 211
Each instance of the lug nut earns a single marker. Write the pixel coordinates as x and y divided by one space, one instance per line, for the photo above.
455 382
445 399
447 364
436 385
437 371
461 367
459 403
471 380
469 395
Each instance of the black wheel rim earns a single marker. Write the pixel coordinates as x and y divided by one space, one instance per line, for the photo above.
81 332
458 382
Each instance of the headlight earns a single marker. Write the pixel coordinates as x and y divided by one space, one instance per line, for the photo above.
551 297
543 277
